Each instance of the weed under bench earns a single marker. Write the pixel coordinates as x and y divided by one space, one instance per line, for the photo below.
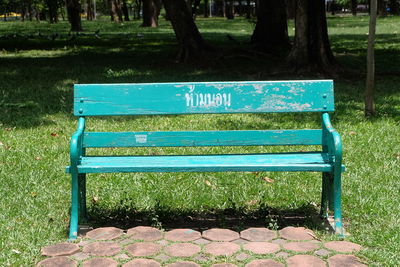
201 98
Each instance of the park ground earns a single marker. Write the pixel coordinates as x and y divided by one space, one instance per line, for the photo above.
37 75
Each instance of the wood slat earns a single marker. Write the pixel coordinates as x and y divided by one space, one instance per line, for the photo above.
204 97
202 138
207 163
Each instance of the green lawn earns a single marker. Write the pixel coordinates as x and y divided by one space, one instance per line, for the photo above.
36 123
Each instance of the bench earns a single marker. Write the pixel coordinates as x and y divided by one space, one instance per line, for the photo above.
201 98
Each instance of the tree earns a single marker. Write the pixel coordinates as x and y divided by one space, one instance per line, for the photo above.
311 48
354 7
191 45
115 11
394 7
381 8
370 83
271 29
74 14
125 10
151 11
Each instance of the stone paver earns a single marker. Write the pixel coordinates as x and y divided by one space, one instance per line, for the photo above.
242 256
322 252
110 246
345 260
145 233
182 235
264 263
62 249
102 248
162 257
143 249
261 247
100 262
142 263
80 256
202 241
296 233
221 248
104 233
183 264
305 261
182 249
217 234
57 261
342 246
301 246
258 234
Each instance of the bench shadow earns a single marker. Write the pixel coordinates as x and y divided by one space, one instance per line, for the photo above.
236 219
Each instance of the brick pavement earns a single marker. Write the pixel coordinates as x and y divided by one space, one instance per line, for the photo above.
149 247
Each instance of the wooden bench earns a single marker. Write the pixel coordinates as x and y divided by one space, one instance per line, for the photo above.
207 97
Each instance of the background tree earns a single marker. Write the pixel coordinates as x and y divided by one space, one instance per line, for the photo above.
271 29
191 44
354 7
311 48
382 12
115 10
394 6
370 84
74 14
151 11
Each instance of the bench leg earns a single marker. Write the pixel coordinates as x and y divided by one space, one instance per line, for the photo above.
337 202
325 194
73 227
82 197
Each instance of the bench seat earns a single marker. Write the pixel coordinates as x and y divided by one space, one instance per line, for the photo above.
302 161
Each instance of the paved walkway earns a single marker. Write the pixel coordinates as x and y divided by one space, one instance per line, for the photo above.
149 247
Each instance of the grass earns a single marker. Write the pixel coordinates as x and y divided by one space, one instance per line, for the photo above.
36 123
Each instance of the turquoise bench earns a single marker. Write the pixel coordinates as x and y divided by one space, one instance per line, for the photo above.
200 98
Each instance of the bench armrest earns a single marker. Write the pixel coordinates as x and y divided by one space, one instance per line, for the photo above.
76 149
331 141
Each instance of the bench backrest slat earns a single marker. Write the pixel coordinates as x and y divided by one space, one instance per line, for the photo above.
203 97
202 138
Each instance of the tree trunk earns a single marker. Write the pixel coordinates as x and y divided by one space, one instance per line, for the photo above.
311 49
290 8
151 11
89 10
229 10
191 45
248 9
206 8
74 14
196 5
271 29
370 84
354 7
115 11
382 8
125 10
394 7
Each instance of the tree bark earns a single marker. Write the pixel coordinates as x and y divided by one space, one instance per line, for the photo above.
191 45
229 12
74 14
290 8
381 8
151 11
370 83
248 9
354 7
125 10
206 8
311 49
394 7
271 29
115 11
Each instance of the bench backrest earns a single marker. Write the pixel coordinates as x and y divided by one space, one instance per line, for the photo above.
203 97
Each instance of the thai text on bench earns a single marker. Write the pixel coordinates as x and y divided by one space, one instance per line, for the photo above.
208 100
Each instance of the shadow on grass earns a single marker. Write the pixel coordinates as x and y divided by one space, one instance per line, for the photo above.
235 218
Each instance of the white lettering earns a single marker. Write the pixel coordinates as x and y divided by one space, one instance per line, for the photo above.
207 100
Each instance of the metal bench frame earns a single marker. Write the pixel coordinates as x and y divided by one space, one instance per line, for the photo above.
200 98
